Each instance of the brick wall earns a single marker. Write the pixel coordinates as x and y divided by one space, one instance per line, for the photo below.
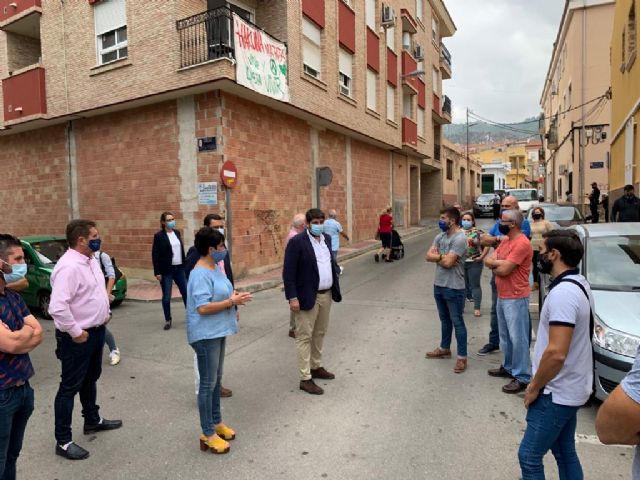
333 154
34 196
21 51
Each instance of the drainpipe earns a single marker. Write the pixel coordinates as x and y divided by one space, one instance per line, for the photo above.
582 165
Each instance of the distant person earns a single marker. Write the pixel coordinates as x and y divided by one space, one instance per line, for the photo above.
311 285
627 207
539 227
211 318
104 260
569 196
562 361
80 310
385 229
495 204
618 420
594 201
167 254
20 333
448 252
474 261
605 206
334 229
298 225
511 263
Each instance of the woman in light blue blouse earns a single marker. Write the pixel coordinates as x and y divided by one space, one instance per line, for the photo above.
211 317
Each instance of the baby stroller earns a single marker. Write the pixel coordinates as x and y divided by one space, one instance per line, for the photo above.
397 247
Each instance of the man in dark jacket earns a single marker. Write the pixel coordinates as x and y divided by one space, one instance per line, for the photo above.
311 284
594 201
627 207
215 221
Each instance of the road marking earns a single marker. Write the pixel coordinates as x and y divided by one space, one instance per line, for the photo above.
593 440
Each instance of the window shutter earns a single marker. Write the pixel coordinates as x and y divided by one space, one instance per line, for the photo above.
109 15
311 31
372 90
311 55
391 103
346 63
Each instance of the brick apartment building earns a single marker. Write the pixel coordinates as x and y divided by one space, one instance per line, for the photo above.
118 110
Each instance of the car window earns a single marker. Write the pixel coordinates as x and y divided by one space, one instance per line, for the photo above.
614 262
50 251
556 213
484 198
524 195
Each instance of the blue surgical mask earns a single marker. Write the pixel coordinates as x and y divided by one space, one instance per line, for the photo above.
504 229
94 244
444 225
171 224
19 270
218 255
316 230
467 224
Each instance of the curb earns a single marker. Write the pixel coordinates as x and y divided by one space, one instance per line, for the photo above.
269 284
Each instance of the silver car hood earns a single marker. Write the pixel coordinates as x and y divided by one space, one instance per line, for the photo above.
619 310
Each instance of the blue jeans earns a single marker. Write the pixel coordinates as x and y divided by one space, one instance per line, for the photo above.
550 427
16 406
472 275
514 321
177 275
494 333
450 303
210 354
81 366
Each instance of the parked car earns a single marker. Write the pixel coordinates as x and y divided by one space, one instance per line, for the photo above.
611 264
561 214
527 197
41 254
483 205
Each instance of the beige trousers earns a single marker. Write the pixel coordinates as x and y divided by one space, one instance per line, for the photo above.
311 326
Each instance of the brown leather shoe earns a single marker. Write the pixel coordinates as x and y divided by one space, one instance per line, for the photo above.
439 353
225 392
499 372
322 374
310 387
514 386
461 365
292 333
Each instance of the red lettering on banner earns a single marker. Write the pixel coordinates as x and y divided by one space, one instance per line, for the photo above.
251 39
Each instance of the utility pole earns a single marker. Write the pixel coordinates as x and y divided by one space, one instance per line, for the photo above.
467 149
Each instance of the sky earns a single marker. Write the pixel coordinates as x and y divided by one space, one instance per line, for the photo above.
500 55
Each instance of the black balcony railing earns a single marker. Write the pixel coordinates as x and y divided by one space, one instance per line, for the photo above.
206 36
436 151
445 55
446 105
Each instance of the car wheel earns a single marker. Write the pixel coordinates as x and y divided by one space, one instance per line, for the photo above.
44 298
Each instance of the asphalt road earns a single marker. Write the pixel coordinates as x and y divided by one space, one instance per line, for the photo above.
390 413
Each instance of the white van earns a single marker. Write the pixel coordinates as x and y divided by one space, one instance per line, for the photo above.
527 197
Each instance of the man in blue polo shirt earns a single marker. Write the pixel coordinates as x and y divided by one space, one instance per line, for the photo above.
20 333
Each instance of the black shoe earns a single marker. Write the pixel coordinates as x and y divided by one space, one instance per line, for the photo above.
73 452
514 386
499 372
376 257
487 349
167 325
103 425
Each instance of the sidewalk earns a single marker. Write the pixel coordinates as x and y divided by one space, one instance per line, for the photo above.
141 290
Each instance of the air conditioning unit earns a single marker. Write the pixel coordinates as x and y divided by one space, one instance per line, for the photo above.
388 16
345 90
418 53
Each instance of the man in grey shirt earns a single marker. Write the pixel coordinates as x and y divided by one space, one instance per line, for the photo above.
448 253
618 421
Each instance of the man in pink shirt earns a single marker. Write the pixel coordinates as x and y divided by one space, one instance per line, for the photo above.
297 226
80 310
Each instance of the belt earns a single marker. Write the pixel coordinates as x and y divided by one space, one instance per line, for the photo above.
324 291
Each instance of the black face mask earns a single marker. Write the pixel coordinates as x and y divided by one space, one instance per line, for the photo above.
537 216
544 264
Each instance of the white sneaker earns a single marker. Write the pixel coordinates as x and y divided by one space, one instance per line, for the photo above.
114 357
341 269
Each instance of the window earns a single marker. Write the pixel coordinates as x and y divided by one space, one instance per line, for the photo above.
419 9
421 122
391 38
110 18
406 41
449 169
311 51
372 90
391 103
434 28
370 14
632 35
435 80
348 2
407 105
345 67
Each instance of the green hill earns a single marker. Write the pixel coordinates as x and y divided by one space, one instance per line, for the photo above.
482 132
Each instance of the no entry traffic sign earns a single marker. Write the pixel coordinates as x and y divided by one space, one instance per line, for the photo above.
229 175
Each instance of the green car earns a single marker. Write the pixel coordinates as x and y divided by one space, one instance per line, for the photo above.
41 254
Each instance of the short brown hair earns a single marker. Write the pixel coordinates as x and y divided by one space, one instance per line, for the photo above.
78 228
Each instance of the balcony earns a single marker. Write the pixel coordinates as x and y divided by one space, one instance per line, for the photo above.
21 17
445 62
24 95
205 37
409 133
441 112
409 66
